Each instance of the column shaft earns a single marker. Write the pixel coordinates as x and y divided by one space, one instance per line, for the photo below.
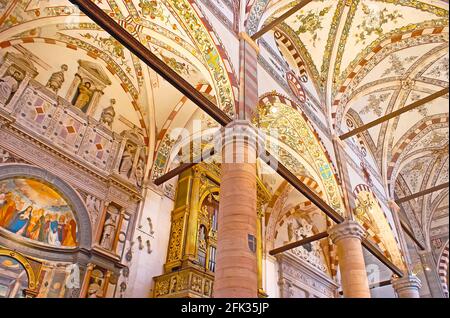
236 272
347 236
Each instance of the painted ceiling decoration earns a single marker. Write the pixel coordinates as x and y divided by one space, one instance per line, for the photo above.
278 112
368 58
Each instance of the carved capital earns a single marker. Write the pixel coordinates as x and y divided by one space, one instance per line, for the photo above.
406 282
347 229
240 132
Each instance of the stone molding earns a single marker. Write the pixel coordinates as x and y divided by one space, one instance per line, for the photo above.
240 132
406 282
346 229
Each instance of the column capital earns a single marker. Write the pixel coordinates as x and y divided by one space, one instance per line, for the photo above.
240 131
244 36
406 283
346 229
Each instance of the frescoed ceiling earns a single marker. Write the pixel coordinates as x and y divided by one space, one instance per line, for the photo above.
171 29
372 57
364 59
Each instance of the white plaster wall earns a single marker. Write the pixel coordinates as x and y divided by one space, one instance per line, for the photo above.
271 277
145 266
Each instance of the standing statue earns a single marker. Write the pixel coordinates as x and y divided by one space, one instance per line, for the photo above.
8 86
93 207
140 171
84 96
108 114
57 79
109 231
126 164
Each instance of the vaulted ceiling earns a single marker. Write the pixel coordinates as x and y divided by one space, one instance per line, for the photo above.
363 59
367 59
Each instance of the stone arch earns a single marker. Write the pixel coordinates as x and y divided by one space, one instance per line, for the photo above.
386 240
69 194
31 274
442 268
282 40
323 167
316 153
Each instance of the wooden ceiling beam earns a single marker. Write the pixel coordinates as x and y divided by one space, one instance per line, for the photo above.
396 113
410 233
422 193
302 188
108 24
292 245
185 166
279 20
375 251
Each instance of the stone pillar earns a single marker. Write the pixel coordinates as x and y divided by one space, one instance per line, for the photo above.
431 274
236 273
347 236
407 286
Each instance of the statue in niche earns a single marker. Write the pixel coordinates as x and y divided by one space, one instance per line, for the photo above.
9 85
57 79
126 164
93 207
202 237
84 96
173 284
140 171
109 231
290 231
108 114
73 280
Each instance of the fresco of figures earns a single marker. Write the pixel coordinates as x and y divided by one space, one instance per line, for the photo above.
33 210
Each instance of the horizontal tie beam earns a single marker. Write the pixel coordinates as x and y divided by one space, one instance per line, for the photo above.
375 251
422 193
279 20
411 235
108 24
298 243
396 113
184 166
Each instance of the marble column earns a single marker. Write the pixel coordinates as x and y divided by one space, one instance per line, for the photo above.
347 236
407 286
236 273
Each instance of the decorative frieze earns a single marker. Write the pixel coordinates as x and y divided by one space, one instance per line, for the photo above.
187 283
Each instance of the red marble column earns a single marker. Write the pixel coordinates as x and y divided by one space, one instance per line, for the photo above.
347 236
236 272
